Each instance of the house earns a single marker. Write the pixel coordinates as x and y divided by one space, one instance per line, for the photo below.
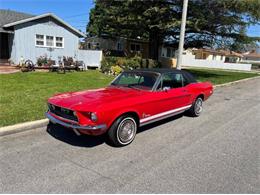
208 58
252 57
218 55
25 36
119 46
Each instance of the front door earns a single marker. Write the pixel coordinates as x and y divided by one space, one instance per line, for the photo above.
4 46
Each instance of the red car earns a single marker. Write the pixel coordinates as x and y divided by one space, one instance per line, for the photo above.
133 99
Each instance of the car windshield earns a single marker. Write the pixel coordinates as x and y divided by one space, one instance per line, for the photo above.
137 80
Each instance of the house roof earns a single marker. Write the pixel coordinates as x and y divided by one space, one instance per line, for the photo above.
231 53
227 53
252 54
20 18
9 16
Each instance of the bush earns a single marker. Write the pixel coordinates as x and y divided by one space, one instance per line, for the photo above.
127 63
132 63
255 66
42 60
150 63
116 70
106 63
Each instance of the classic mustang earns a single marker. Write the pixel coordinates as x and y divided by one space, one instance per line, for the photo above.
133 99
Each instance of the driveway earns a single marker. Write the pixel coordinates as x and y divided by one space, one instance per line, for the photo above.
215 153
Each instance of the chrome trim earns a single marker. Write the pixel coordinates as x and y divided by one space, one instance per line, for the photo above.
161 118
163 115
75 126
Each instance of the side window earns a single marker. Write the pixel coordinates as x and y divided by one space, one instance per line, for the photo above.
185 80
171 81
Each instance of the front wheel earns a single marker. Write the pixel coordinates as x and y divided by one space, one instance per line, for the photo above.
123 131
197 107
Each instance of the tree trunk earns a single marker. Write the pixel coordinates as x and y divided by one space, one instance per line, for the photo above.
154 41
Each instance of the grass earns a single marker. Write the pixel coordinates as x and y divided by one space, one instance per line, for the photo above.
23 96
219 76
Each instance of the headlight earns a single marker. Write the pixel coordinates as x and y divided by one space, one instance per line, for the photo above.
93 116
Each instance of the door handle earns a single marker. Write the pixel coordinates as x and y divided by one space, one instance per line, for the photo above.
184 90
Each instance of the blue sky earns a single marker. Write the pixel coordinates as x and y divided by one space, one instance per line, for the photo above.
75 12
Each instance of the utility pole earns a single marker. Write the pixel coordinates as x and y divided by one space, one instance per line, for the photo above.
181 41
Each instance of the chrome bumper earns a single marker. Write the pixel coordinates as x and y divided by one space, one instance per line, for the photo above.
75 126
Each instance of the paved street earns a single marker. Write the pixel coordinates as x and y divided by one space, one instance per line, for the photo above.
215 153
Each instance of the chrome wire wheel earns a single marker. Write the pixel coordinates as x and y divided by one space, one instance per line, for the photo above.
126 130
198 106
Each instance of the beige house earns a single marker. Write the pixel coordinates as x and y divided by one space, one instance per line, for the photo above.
168 56
251 57
218 55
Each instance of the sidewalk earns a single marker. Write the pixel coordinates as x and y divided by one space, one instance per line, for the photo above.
7 69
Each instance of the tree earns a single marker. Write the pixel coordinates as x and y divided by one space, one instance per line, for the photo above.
213 23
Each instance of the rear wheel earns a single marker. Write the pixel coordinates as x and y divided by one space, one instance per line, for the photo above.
123 131
197 107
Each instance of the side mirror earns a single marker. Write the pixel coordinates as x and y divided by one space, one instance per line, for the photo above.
166 89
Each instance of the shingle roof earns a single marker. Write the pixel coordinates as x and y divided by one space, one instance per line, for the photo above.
9 16
220 52
252 54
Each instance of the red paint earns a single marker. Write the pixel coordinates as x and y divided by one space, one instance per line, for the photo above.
111 102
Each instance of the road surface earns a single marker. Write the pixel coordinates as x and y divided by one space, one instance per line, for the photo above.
215 153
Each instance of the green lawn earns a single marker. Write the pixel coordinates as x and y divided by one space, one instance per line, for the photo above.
219 76
23 95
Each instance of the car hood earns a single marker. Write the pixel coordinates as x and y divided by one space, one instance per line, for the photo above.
91 99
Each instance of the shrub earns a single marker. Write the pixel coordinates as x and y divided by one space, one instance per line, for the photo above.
106 63
116 70
132 63
126 63
255 66
42 60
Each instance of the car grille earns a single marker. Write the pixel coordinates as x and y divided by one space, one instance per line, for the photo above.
62 112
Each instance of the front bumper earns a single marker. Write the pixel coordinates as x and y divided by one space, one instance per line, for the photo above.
75 126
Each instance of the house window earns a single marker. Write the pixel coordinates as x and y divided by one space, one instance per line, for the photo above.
49 41
135 47
214 57
221 58
40 40
59 41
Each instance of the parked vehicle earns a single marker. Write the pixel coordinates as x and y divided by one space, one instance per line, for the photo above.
135 98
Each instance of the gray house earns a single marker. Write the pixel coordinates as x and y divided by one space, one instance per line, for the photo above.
25 36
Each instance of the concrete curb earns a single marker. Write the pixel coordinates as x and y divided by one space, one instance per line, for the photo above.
233 82
41 123
23 127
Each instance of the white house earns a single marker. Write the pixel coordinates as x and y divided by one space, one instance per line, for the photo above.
209 58
252 57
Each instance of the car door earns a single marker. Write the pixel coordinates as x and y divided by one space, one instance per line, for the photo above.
171 97
174 95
